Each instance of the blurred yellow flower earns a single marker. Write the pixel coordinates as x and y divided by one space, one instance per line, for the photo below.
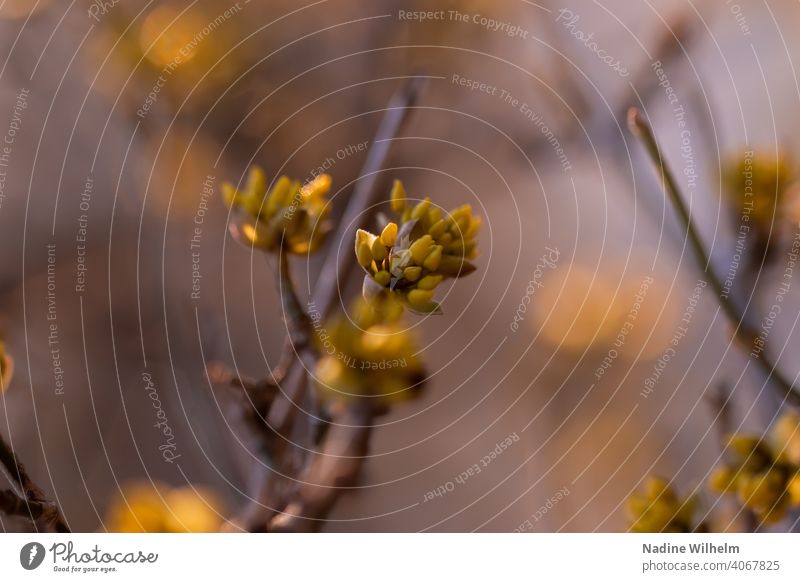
167 37
763 473
756 184
658 509
786 437
291 214
372 354
146 507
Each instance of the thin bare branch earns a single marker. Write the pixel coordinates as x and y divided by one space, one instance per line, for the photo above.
742 331
34 498
329 473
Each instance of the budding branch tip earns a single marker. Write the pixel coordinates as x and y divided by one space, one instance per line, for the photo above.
636 122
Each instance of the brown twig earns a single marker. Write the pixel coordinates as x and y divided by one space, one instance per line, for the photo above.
33 503
330 472
360 208
672 44
301 330
742 331
268 495
13 504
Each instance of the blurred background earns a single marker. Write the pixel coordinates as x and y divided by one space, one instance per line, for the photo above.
588 335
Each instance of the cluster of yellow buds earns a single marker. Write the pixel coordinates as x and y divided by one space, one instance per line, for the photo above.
289 213
757 184
764 473
411 259
145 507
372 354
658 509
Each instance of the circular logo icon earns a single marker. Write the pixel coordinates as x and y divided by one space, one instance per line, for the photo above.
31 555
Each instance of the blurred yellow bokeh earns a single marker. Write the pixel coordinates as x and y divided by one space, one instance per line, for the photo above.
578 309
146 507
167 37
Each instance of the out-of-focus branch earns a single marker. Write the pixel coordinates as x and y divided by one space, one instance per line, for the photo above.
672 44
13 504
301 330
268 488
33 503
360 208
742 331
329 473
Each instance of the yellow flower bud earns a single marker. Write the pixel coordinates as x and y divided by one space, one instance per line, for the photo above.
382 278
398 196
474 227
229 194
433 259
419 298
461 212
438 228
364 242
279 195
429 282
256 182
420 248
318 187
379 251
389 234
364 255
761 490
722 479
412 273
421 209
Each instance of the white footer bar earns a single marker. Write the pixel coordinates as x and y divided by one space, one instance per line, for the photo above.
389 557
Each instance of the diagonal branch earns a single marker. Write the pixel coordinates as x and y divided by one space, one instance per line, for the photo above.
745 333
267 493
360 208
34 504
330 472
13 504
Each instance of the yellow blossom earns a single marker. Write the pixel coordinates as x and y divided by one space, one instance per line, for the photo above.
763 473
289 212
757 184
145 507
658 509
411 257
371 354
